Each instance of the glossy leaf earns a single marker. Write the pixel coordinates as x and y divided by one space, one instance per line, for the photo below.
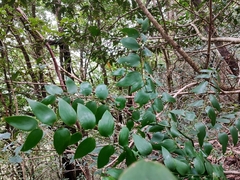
71 86
86 117
148 118
135 115
130 156
85 147
147 170
188 147
141 98
101 91
120 102
114 172
61 140
168 98
158 105
201 132
24 123
119 72
130 43
174 131
237 123
42 112
75 103
100 111
75 138
142 145
66 112
131 32
85 88
32 139
145 25
104 155
169 144
201 88
181 167
211 114
106 124
168 160
199 165
123 136
223 139
53 89
50 99
234 134
207 148
132 60
214 102
92 105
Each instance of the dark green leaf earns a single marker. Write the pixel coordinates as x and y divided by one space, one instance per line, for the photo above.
135 115
141 97
53 89
100 111
130 156
144 170
201 132
75 103
199 165
50 99
156 128
75 138
181 167
237 123
32 139
174 131
168 98
145 25
115 172
94 30
106 124
214 102
132 60
157 105
234 134
61 140
142 145
148 118
207 148
131 32
223 139
71 86
42 112
201 88
119 72
120 102
85 88
211 114
168 160
148 68
188 147
123 136
66 112
104 155
147 52
130 43
169 144
85 147
24 123
101 91
92 105
86 117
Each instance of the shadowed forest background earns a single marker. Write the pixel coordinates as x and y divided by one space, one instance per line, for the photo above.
88 88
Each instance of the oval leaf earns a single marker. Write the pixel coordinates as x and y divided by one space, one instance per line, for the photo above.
234 134
106 124
61 140
66 112
75 138
201 132
201 88
71 86
86 117
223 139
130 43
181 167
42 112
132 60
198 164
85 147
92 105
104 155
168 98
50 99
120 102
53 89
211 114
142 145
24 123
148 118
123 136
131 32
85 88
101 91
141 98
214 102
147 170
32 139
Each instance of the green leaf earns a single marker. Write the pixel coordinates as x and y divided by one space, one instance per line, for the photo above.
181 167
120 102
114 172
66 112
42 112
85 117
201 88
190 116
75 103
24 123
130 156
106 124
209 167
168 98
201 132
32 139
141 97
75 138
104 155
169 144
85 88
207 148
237 123
234 134
71 86
100 111
101 91
188 147
92 105
148 118
214 102
94 30
148 68
168 160
61 139
147 52
199 165
156 128
50 99
144 170
131 32
211 114
145 25
223 139
142 145
157 105
123 137
136 115
85 147
130 43
119 72
174 131
132 60
53 89
196 103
